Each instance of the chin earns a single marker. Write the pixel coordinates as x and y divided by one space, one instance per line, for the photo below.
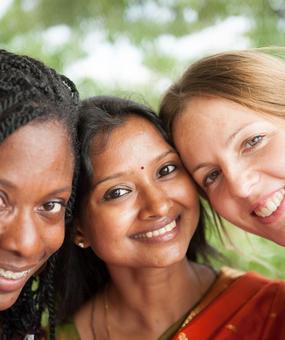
168 259
7 301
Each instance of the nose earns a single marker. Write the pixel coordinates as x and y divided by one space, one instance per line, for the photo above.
20 236
241 181
155 203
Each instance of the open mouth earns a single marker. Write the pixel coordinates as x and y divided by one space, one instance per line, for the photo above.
10 275
271 204
157 232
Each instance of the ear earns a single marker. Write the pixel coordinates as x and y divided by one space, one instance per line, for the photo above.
79 238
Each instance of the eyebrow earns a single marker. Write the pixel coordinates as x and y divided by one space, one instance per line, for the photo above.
120 174
234 134
61 190
6 183
10 185
199 166
228 141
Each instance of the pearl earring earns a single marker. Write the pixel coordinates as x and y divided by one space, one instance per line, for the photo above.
80 244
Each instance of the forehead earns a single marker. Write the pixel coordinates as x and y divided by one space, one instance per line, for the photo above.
36 141
216 115
136 141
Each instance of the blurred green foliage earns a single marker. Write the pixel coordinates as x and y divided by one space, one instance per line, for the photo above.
25 23
249 252
141 22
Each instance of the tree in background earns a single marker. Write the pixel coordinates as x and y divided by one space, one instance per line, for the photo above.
30 26
158 34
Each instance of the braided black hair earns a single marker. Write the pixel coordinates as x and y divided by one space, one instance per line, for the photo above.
31 91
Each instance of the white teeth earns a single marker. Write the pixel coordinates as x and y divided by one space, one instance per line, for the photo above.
157 232
271 204
277 198
7 274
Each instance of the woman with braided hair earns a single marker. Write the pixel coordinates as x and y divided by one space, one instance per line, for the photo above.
37 161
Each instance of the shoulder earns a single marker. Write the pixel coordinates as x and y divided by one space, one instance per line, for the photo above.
271 289
252 290
250 280
240 286
239 306
262 282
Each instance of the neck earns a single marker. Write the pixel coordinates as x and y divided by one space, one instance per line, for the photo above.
137 296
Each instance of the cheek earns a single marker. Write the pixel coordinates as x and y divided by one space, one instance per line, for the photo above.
225 206
54 239
184 193
186 190
272 159
105 225
218 205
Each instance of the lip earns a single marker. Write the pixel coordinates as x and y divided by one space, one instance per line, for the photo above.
261 201
10 285
17 269
274 217
164 237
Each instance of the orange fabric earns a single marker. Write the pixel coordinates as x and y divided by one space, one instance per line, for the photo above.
251 308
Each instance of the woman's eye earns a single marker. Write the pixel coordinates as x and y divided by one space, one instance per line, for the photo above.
166 170
211 177
116 193
3 203
53 207
252 142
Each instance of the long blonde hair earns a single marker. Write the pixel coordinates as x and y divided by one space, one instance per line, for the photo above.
252 78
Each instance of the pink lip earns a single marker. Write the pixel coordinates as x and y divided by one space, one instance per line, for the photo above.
10 285
17 269
170 235
274 217
261 201
157 226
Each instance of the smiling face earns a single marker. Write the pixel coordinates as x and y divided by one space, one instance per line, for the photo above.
235 155
36 169
143 208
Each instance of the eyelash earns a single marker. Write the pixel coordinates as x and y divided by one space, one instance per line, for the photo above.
208 177
114 194
3 202
174 168
109 194
44 206
259 138
256 140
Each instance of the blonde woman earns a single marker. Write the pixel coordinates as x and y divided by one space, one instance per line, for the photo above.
226 115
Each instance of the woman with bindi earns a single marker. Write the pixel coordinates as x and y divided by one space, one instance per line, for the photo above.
133 272
37 158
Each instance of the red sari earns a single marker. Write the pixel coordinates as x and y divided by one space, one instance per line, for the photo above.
249 307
